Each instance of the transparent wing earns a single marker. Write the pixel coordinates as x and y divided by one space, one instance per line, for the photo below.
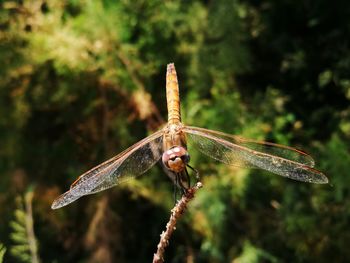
265 147
132 162
236 151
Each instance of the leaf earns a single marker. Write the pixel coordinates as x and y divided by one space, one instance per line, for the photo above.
2 252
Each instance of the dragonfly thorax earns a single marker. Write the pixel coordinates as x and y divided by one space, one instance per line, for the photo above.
176 159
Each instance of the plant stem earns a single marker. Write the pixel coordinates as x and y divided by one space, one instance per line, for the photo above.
176 212
29 227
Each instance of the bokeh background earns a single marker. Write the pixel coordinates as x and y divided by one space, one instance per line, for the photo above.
82 80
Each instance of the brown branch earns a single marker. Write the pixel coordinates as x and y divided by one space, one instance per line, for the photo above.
176 212
147 110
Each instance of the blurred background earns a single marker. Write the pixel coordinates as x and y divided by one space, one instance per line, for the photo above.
80 81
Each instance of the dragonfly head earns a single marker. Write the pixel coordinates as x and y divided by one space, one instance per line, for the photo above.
176 159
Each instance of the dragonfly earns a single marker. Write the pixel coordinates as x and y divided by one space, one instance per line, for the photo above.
169 146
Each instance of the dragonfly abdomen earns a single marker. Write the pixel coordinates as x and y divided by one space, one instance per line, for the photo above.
172 95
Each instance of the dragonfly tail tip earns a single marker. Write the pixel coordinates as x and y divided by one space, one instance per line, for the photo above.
170 68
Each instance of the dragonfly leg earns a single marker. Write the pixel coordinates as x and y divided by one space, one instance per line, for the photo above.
183 189
177 184
179 178
195 171
188 178
175 191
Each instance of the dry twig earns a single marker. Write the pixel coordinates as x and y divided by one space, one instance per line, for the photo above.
176 212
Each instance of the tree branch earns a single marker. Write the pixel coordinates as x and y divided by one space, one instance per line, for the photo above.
176 212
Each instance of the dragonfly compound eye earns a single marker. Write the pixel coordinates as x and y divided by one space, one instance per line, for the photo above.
175 158
186 158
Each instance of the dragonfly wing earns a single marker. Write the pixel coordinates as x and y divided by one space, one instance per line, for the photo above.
282 151
132 162
236 151
136 164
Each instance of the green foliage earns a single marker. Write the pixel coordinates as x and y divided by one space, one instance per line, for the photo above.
81 81
251 254
24 248
2 252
